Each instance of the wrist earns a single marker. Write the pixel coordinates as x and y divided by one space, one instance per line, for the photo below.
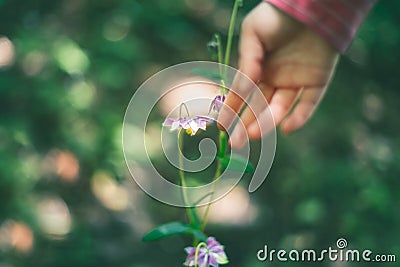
336 22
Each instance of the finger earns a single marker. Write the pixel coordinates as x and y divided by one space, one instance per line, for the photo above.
281 103
259 101
251 54
309 100
257 104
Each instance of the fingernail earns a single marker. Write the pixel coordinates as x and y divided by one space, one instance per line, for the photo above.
222 128
290 126
253 128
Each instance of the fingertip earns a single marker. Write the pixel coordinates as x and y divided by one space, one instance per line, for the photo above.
263 125
303 111
254 130
285 130
285 127
237 138
236 143
291 124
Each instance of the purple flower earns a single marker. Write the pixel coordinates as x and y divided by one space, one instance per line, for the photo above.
213 255
217 102
190 125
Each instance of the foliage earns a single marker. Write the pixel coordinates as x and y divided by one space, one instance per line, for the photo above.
62 101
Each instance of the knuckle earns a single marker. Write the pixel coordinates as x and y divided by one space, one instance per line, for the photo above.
246 24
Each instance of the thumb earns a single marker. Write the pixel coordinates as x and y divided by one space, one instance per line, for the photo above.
251 52
251 55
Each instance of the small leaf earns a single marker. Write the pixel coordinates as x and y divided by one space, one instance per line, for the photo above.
199 235
212 47
206 74
173 228
237 163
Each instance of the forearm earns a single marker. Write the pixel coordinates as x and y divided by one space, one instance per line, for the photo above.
337 21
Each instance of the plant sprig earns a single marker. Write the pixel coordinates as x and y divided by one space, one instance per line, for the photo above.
196 226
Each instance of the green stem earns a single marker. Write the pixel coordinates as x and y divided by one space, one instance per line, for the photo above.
221 153
180 110
182 175
231 31
222 134
219 48
196 255
222 144
220 61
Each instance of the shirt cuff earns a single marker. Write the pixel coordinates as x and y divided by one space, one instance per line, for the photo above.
336 21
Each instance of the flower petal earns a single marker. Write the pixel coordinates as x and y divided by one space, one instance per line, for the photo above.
193 126
175 125
218 102
213 262
168 122
201 123
206 118
190 250
184 122
203 260
189 261
220 257
212 242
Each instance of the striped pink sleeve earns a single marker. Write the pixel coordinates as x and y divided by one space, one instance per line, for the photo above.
337 21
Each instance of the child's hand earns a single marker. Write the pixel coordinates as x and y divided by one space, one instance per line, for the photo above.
285 58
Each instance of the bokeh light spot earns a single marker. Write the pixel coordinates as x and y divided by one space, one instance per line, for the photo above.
82 93
117 28
33 63
70 57
62 163
234 209
17 235
7 53
111 195
53 217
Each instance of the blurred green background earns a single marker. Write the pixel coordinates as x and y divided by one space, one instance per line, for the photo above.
67 72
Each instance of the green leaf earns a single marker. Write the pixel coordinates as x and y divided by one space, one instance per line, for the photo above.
212 47
173 228
206 74
237 163
199 235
